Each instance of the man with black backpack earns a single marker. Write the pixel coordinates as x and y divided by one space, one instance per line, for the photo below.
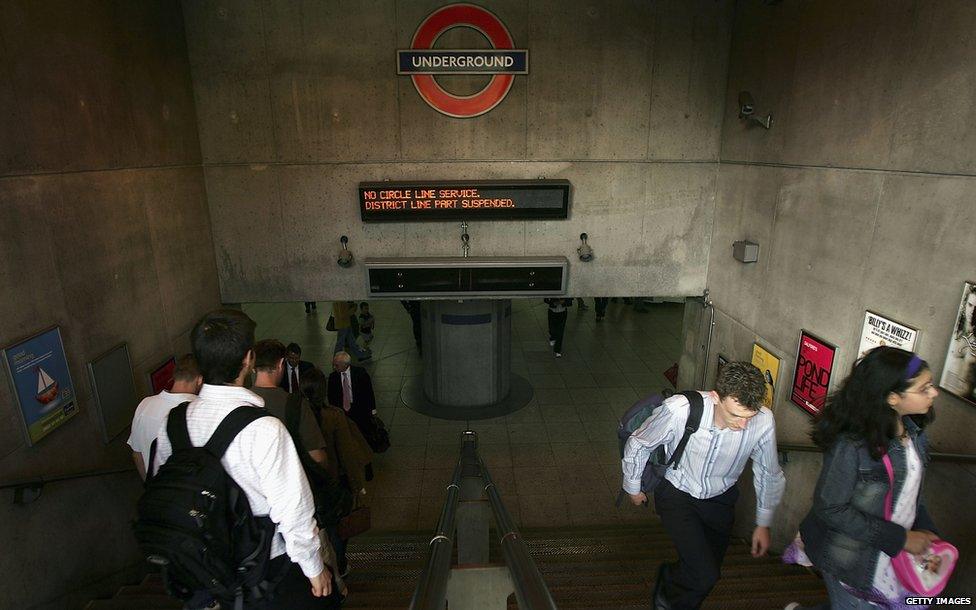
696 497
241 529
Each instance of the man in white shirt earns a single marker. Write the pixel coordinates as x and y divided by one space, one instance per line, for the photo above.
152 411
696 500
262 459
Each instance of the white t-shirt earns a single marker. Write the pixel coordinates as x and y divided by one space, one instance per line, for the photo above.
903 513
150 415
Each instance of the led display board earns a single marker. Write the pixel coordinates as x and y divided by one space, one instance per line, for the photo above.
457 200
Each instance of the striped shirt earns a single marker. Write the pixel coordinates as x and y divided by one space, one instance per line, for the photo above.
262 460
714 458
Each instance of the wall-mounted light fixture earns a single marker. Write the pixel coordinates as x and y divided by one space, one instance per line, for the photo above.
745 251
345 256
585 252
747 109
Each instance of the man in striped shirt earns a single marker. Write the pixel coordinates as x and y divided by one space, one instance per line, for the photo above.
696 501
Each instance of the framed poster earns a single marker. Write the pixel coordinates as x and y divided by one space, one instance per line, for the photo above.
959 372
722 361
811 378
114 390
769 365
41 383
878 330
161 377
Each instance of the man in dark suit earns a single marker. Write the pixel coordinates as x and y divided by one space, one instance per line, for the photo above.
351 389
295 367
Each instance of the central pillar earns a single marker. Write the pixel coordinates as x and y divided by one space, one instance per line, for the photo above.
467 348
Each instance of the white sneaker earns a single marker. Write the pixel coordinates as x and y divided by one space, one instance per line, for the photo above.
552 342
791 606
558 355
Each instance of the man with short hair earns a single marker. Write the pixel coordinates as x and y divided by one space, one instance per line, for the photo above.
696 501
295 367
152 411
351 389
269 367
261 459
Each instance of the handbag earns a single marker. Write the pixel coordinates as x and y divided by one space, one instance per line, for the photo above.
378 438
330 325
355 523
926 575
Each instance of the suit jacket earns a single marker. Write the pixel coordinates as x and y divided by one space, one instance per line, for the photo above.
303 367
363 400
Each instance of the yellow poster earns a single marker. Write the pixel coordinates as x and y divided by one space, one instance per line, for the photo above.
769 365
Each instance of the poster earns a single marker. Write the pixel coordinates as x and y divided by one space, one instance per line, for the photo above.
161 377
878 330
41 382
959 372
769 365
811 379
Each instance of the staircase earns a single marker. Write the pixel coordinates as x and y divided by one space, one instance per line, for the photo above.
588 567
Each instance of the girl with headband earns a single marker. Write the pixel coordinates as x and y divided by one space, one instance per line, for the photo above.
880 409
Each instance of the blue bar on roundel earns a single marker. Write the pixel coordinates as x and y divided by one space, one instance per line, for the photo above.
486 61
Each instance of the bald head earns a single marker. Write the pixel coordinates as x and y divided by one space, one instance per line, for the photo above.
341 361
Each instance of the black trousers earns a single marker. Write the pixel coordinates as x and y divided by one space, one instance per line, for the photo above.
557 326
700 530
601 305
294 592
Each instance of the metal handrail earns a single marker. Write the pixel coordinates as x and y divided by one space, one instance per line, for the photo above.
530 588
431 591
36 484
935 456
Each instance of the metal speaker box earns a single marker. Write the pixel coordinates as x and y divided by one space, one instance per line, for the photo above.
745 251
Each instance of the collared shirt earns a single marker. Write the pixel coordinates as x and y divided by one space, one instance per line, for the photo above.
262 460
149 416
714 457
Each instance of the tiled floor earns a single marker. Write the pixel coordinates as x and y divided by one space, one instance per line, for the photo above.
555 461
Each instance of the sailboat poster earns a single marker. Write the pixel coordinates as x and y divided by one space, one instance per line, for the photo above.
40 379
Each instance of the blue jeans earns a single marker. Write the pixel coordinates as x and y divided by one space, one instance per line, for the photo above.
840 599
346 341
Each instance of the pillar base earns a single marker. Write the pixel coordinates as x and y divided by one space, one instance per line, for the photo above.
413 396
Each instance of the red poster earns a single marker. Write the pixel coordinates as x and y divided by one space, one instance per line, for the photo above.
811 379
162 377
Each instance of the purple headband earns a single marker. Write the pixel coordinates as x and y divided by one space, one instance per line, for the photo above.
913 366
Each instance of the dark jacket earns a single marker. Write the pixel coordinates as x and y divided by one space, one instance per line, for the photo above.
363 399
846 529
303 367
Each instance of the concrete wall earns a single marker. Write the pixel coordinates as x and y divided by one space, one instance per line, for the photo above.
860 196
299 101
105 232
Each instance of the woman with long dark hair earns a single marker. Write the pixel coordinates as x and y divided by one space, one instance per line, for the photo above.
881 409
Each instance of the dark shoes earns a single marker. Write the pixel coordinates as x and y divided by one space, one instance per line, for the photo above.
658 599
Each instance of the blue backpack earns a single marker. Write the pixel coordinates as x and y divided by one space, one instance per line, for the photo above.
658 463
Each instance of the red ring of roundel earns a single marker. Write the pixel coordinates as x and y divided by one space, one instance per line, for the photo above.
437 23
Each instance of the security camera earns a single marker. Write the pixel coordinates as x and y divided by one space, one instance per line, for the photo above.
345 256
585 252
746 104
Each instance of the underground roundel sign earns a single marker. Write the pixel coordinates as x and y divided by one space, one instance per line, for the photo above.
422 61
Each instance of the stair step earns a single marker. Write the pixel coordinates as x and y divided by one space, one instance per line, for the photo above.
135 602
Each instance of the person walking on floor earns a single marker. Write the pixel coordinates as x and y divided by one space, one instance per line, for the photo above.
556 315
345 337
696 501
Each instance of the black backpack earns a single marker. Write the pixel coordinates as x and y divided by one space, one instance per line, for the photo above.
658 462
195 522
333 501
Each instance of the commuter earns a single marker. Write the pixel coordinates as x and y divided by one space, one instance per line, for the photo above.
348 454
152 411
261 459
295 367
310 306
351 388
413 310
367 322
269 367
696 501
342 315
601 307
879 412
556 316
581 304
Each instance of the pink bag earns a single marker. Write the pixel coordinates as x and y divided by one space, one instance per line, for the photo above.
926 575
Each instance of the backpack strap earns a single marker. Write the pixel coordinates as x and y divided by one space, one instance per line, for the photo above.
179 436
696 407
152 458
231 426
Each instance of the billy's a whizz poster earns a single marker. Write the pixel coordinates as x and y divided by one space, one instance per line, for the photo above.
811 379
41 382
